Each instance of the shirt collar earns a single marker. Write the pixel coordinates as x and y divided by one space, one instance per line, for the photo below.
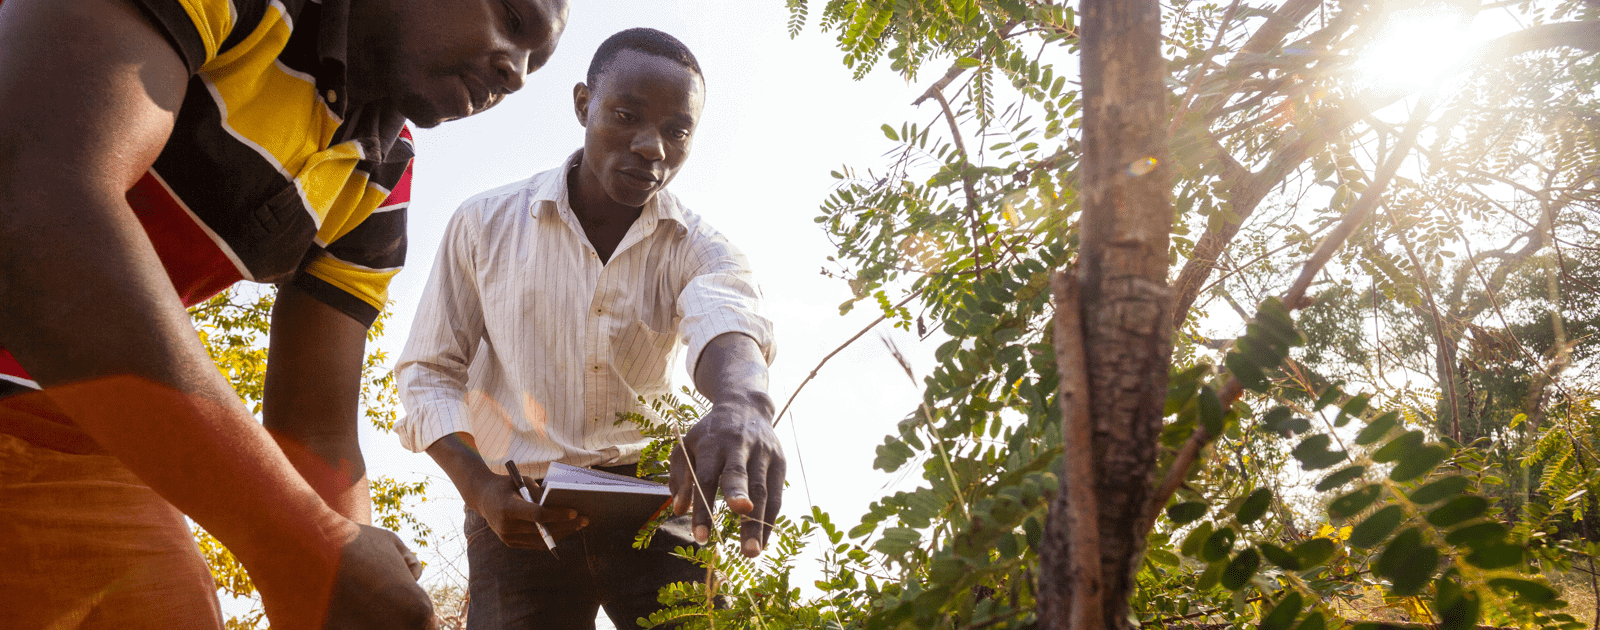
376 126
333 50
549 193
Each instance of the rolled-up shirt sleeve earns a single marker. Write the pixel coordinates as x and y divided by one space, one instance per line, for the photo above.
721 296
432 371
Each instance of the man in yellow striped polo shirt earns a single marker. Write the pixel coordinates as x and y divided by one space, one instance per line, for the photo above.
153 153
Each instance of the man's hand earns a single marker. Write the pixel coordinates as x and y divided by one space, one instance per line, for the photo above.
514 519
495 497
733 446
372 583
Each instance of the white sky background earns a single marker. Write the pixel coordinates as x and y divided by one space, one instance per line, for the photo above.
779 115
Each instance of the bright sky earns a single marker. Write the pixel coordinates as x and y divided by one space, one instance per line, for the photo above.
780 114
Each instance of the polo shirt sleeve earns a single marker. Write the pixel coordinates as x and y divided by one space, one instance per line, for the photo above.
352 272
200 29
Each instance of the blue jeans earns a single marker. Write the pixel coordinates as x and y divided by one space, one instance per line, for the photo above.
528 589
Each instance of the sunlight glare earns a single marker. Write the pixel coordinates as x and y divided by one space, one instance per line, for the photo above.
1414 48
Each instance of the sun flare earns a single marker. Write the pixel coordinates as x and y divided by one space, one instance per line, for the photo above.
1414 48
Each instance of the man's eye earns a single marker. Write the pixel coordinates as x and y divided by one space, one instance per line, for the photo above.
680 133
512 17
624 116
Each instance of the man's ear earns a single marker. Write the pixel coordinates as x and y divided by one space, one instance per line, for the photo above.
580 103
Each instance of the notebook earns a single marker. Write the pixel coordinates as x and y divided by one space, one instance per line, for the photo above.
605 498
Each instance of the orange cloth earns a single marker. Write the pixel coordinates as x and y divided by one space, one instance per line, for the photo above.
85 545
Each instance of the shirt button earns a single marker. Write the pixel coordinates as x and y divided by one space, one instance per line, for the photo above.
333 97
599 311
597 368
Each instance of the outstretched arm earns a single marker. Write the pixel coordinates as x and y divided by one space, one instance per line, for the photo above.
733 446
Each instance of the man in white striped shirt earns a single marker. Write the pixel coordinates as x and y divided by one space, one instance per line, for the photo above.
554 304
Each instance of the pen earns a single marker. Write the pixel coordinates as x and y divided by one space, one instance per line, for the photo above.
516 478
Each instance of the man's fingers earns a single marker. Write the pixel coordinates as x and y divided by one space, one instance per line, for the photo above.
751 542
679 480
735 482
776 474
705 493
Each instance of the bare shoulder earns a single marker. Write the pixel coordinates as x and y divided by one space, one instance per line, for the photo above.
99 108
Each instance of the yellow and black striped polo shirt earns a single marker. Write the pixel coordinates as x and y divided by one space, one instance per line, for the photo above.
267 176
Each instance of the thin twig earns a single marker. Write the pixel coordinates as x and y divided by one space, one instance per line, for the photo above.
779 418
966 181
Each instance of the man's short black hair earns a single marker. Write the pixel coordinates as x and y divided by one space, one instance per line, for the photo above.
645 40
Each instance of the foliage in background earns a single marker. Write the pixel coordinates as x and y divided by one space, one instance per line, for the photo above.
1460 308
233 326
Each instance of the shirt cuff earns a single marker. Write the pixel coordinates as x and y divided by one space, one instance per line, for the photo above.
421 427
699 330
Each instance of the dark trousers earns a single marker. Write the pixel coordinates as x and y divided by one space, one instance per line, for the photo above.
528 589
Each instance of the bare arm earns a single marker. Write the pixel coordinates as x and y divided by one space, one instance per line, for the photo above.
89 311
733 446
312 394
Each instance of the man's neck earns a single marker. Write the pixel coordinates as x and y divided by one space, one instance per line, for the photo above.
605 222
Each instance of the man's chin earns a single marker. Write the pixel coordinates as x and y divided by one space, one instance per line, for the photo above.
422 114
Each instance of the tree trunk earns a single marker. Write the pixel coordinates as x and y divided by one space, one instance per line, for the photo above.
1125 304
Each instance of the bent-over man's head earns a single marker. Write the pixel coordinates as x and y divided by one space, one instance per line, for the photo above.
439 60
639 108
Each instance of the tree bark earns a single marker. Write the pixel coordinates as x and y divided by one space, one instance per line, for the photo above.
1126 309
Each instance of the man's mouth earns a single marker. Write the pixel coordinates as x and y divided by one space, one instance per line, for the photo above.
640 177
477 95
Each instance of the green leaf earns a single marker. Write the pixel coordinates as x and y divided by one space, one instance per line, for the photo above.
1312 553
1377 527
1211 413
1218 545
1353 503
1341 477
1211 576
1248 373
1282 615
1185 512
1164 557
1526 591
966 62
1379 427
1477 535
1313 453
1313 621
1439 490
1241 569
1279 556
1254 506
1330 394
1457 510
1273 420
889 131
1192 543
1407 562
1399 447
1354 407
1495 556
1419 462
1457 608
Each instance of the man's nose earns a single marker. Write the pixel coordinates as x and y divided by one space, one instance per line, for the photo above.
647 144
511 69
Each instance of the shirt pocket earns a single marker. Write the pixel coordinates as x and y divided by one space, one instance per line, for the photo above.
644 357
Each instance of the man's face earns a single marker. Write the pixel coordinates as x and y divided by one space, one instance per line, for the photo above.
440 60
638 125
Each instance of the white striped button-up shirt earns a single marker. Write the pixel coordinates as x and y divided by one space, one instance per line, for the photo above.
525 340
